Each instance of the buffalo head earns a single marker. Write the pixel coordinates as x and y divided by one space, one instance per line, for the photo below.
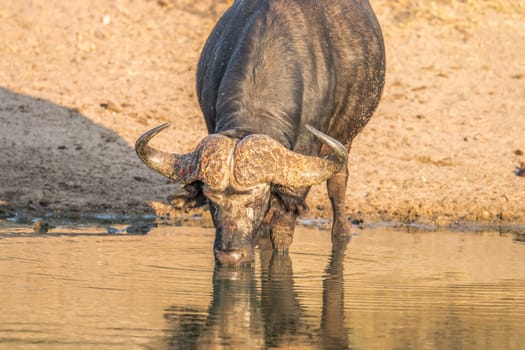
236 177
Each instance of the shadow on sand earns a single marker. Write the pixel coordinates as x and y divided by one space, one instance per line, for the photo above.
54 160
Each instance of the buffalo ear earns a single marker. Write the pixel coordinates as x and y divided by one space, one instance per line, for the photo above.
290 199
188 197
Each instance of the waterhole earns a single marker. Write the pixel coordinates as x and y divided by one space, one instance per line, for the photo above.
101 287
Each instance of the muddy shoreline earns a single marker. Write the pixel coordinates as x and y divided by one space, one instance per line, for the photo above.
79 83
26 220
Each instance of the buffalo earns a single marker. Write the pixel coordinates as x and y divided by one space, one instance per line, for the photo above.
284 86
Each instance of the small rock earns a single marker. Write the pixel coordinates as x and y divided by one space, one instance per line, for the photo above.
520 170
113 231
41 227
106 20
111 106
140 229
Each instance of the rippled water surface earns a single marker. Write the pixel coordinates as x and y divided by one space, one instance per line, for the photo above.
87 287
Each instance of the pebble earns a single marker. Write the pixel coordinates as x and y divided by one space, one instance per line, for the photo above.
41 227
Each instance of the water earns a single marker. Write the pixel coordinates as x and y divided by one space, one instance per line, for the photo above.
81 287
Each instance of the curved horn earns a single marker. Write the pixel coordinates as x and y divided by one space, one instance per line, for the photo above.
210 162
340 152
181 168
259 158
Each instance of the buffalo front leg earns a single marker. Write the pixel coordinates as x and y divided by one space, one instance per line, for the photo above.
285 207
281 231
337 192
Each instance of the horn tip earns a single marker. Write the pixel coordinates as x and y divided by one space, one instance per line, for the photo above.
314 131
163 126
337 146
310 128
148 135
160 127
318 133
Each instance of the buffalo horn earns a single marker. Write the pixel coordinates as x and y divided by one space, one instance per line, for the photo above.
181 168
208 163
259 158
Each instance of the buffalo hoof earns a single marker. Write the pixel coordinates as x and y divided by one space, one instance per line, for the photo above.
281 238
341 232
341 228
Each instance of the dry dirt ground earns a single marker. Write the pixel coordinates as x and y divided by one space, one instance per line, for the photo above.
81 80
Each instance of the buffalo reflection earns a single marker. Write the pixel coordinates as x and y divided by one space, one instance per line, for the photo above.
240 317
